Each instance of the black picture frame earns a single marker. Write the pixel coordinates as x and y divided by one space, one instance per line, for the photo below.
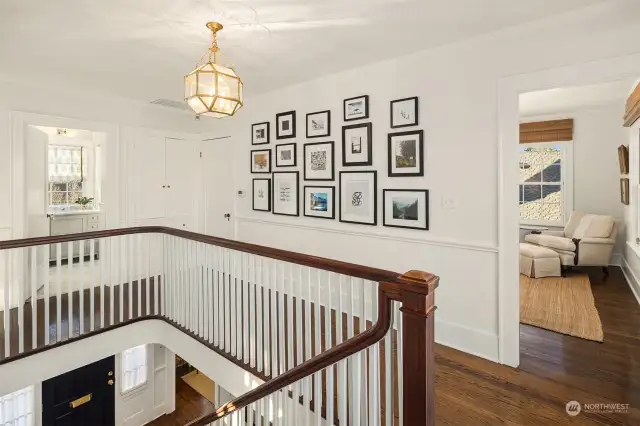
251 163
295 155
253 200
426 207
281 115
420 160
369 160
333 201
324 135
415 112
253 127
332 156
366 107
375 197
297 193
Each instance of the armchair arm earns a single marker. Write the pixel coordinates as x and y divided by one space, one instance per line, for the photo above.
554 233
593 251
607 241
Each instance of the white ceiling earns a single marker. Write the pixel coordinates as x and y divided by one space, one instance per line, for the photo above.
140 49
562 100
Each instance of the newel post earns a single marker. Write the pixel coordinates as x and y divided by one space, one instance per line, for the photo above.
418 348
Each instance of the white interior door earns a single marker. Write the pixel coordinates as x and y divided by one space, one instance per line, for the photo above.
36 179
182 173
152 189
218 181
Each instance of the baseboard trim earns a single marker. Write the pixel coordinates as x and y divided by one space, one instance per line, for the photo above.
465 339
632 279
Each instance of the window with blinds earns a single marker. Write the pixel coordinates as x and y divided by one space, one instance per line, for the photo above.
66 174
17 408
134 368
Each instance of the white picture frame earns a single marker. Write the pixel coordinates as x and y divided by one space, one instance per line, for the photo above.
285 193
358 197
261 194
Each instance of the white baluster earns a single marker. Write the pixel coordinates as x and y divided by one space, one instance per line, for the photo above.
102 254
238 289
20 301
280 285
259 313
342 365
354 366
6 256
92 267
227 301
184 290
216 295
299 339
113 281
267 319
70 287
130 259
137 255
34 296
290 344
59 291
245 309
318 349
374 364
328 344
165 307
80 284
147 274
45 274
389 391
274 320
122 274
307 345
232 301
250 414
252 310
400 363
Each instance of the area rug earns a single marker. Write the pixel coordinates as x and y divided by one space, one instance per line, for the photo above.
201 384
565 305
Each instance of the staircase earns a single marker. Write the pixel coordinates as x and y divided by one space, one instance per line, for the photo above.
335 343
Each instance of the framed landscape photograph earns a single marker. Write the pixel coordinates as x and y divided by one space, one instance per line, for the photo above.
285 193
406 154
260 133
357 145
405 208
286 125
358 197
262 195
319 201
286 155
356 108
319 124
318 161
404 112
261 161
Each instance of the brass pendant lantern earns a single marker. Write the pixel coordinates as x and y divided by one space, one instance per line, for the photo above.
211 89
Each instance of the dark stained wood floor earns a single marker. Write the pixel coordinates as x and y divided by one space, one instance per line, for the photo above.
190 405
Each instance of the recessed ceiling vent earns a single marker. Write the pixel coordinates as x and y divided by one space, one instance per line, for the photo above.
169 103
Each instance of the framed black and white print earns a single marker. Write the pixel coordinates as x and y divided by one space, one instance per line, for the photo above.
404 112
357 146
358 197
286 125
405 208
406 153
285 193
318 161
262 195
286 155
319 201
319 124
260 133
261 161
356 108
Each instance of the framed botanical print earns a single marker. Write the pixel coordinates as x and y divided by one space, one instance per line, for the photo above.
285 193
262 195
318 161
356 108
624 191
286 125
357 147
405 208
286 155
358 197
319 124
404 112
261 161
260 133
319 201
406 154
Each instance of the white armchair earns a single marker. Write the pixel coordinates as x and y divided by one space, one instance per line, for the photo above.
587 240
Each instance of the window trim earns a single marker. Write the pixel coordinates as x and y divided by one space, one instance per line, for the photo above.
30 392
566 182
129 393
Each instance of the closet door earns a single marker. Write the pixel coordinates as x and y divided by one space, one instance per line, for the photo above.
182 179
150 172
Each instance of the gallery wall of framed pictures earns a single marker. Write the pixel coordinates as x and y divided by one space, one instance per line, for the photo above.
350 192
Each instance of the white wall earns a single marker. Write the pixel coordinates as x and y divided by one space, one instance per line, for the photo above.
458 89
631 260
598 132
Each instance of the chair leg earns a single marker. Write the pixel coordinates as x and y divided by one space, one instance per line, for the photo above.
605 270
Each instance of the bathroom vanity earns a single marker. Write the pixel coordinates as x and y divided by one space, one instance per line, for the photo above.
73 222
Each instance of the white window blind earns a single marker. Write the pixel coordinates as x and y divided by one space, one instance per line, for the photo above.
17 408
134 368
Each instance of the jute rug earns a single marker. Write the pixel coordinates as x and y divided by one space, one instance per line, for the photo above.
565 305
201 384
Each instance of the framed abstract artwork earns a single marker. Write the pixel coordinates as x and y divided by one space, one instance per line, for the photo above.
357 146
624 191
261 161
405 208
262 195
406 154
356 108
404 112
319 124
260 133
319 201
286 125
286 155
318 161
358 197
285 193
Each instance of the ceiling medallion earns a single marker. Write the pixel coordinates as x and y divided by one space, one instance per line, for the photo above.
211 89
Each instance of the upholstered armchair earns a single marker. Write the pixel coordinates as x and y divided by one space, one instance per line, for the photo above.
587 240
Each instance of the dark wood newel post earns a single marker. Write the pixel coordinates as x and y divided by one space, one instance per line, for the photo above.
418 349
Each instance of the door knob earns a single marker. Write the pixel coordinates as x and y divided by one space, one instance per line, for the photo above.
110 382
110 373
164 186
227 216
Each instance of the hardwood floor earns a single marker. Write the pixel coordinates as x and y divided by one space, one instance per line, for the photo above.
190 405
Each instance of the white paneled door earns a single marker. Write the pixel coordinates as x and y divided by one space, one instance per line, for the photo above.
218 187
36 179
182 181
151 172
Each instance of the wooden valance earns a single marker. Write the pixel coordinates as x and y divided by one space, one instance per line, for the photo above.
632 111
547 131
